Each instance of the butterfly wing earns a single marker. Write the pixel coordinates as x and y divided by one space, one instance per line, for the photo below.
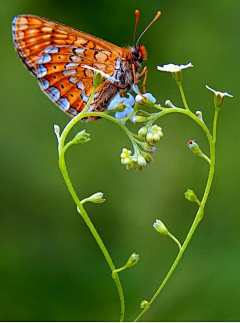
58 55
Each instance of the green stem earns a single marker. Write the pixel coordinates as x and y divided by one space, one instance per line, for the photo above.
175 240
62 165
200 212
94 232
183 97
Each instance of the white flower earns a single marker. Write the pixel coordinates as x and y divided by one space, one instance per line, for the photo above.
176 71
172 68
219 96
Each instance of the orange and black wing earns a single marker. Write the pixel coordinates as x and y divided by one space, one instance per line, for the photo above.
59 56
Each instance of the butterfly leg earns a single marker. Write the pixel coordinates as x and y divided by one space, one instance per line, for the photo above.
144 72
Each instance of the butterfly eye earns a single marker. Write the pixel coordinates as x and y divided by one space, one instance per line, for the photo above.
136 55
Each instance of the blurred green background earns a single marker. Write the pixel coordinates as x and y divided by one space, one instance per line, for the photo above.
51 268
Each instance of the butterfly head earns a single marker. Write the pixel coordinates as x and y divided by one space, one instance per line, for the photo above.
139 53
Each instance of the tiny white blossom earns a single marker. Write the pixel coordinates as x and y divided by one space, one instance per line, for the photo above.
219 96
219 93
172 68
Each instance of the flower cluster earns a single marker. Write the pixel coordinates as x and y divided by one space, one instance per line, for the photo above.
137 161
151 134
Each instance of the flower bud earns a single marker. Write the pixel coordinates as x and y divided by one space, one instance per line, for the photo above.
147 99
148 147
126 158
144 304
149 137
194 147
120 106
139 119
133 259
156 137
126 161
148 157
190 196
81 138
199 115
169 104
160 227
56 129
125 153
141 161
96 198
143 131
98 78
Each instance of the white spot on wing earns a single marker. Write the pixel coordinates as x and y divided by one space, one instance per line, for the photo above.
84 97
41 71
52 50
73 79
75 58
71 65
79 51
117 65
80 85
63 103
45 58
54 93
71 112
44 83
69 72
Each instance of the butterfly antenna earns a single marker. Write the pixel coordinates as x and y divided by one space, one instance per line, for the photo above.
136 24
148 26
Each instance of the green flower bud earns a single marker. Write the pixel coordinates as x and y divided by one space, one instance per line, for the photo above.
143 131
139 120
125 153
96 198
194 148
126 161
199 115
190 196
141 161
142 100
148 157
169 104
121 106
98 78
133 259
144 304
81 138
160 227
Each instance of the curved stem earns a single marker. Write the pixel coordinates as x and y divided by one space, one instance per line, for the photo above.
200 212
62 148
94 232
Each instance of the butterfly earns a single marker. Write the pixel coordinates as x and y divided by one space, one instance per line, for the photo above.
64 60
